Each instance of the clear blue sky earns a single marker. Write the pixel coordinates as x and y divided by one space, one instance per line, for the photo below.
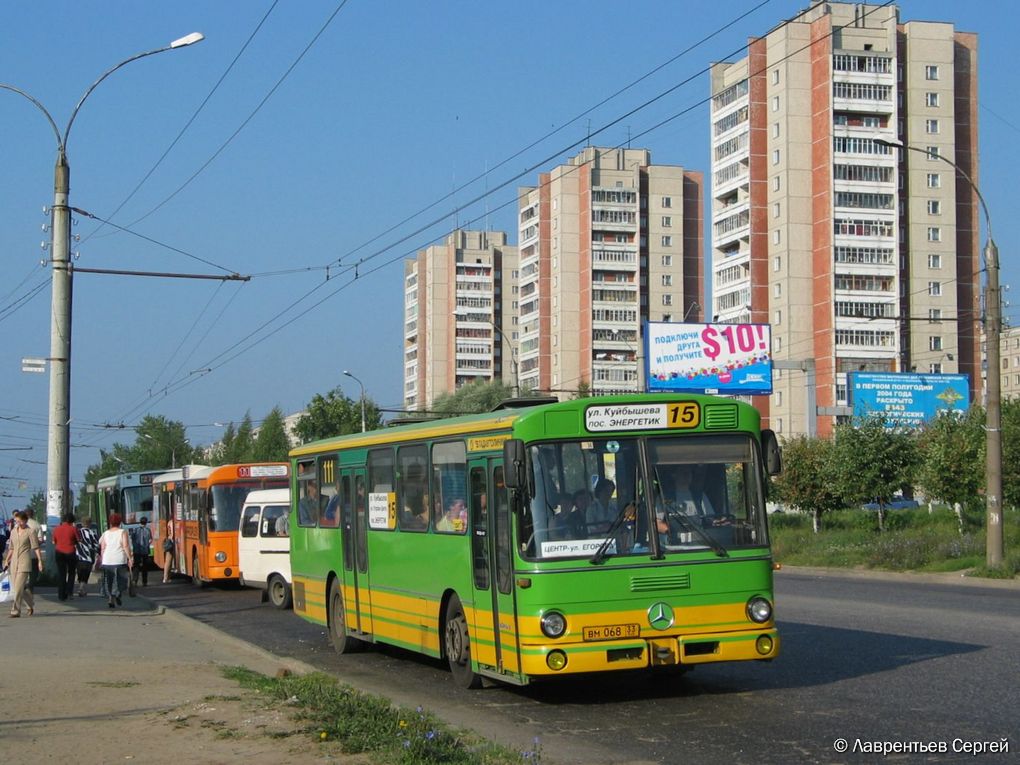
393 106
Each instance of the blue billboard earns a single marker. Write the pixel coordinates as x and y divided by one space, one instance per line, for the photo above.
733 359
906 398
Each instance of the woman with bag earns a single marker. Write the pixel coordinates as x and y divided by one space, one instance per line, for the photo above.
18 560
168 550
116 559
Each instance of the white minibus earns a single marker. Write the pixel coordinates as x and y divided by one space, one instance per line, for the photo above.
263 544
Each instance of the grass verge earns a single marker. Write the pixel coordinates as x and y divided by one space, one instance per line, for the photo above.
914 540
361 723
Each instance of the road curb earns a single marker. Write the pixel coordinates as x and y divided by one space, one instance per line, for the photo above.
953 578
280 662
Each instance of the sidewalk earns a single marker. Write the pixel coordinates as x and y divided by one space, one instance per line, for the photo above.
83 683
953 578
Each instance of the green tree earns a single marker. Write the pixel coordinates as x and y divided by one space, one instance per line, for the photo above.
951 457
237 444
335 415
583 390
37 503
1011 452
159 443
272 444
475 397
808 480
873 461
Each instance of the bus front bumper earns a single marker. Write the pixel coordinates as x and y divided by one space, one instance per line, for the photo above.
684 650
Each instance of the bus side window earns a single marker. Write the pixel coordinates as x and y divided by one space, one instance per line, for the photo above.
250 522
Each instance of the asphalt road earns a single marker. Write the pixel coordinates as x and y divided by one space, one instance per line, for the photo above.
871 661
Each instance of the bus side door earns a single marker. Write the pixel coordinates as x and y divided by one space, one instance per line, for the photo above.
354 522
495 640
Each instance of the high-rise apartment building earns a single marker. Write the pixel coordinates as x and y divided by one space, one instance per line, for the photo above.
862 256
606 241
459 311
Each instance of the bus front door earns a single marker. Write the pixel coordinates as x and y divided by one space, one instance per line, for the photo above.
354 509
495 640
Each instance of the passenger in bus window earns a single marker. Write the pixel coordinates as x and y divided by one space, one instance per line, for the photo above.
572 523
282 525
603 509
308 507
454 520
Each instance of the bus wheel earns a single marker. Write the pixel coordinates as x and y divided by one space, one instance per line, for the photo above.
458 646
279 591
196 577
342 642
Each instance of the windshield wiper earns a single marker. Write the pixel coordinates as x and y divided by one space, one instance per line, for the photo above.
686 522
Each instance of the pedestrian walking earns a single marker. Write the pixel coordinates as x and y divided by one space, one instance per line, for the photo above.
23 544
33 524
168 550
65 538
85 552
141 542
116 559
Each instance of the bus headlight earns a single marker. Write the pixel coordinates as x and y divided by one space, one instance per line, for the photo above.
554 624
221 557
759 609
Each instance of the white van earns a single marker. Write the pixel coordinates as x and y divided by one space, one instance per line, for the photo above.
263 544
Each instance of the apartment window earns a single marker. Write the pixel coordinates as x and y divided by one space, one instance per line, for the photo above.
935 289
934 181
933 152
775 209
667 300
934 207
931 99
935 343
667 280
775 156
931 126
934 234
779 398
776 237
777 289
775 130
775 76
667 260
776 183
936 368
775 103
778 318
667 241
667 221
931 72
934 261
934 314
777 263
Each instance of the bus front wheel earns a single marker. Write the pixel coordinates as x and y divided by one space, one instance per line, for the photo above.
342 642
196 576
458 646
279 591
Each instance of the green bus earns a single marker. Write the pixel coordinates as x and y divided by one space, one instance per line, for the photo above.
593 535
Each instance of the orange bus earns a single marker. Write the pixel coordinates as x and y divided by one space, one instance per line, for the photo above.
205 505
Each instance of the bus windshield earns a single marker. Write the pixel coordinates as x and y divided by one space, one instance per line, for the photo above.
601 498
226 506
137 504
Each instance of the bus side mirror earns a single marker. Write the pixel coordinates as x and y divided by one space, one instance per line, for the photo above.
772 453
513 463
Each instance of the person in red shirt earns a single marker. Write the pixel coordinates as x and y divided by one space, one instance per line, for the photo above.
65 537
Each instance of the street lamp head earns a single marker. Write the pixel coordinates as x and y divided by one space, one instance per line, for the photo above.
191 39
886 142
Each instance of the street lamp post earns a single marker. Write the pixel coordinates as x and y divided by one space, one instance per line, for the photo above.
173 448
58 442
513 357
993 404
363 425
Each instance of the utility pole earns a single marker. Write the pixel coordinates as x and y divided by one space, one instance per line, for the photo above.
58 446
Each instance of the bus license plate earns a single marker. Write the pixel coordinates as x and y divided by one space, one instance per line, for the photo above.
612 631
